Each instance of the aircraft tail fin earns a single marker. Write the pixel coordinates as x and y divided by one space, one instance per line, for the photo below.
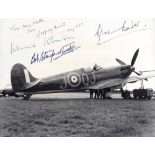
20 77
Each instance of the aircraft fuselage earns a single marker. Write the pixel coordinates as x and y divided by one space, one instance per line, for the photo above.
80 79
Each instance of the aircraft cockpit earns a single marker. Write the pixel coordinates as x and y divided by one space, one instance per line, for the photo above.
97 67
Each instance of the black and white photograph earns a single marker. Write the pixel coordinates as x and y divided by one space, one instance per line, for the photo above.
77 77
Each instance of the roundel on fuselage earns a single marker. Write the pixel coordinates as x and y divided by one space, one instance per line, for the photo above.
73 79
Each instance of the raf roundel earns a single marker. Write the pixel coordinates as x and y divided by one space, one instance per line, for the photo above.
74 79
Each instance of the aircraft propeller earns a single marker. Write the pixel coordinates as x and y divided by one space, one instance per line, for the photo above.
134 57
146 71
120 62
132 61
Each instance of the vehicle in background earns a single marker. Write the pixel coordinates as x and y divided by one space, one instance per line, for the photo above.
1 93
143 93
8 91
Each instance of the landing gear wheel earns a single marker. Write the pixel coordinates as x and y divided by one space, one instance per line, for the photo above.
135 97
4 95
126 95
16 96
26 97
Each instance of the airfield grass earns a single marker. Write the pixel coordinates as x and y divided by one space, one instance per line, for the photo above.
76 117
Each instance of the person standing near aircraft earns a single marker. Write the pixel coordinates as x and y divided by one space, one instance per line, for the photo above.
91 93
96 93
99 93
102 95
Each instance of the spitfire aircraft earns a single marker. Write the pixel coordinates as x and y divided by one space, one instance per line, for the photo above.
96 79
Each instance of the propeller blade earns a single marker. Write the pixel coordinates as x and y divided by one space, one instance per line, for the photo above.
120 62
137 73
146 71
134 57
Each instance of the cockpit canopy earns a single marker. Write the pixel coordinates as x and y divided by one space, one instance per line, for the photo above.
94 68
97 67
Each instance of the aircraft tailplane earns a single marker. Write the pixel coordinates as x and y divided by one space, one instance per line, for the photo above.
20 77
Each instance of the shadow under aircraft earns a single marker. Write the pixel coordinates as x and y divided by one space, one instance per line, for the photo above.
97 80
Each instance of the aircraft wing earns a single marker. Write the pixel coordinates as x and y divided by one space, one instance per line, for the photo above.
134 79
109 83
115 83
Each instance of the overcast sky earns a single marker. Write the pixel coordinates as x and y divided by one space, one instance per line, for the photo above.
93 41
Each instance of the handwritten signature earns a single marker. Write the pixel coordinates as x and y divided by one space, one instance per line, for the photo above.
54 54
57 38
16 48
104 36
47 31
23 26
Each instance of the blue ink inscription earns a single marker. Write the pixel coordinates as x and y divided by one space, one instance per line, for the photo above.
53 54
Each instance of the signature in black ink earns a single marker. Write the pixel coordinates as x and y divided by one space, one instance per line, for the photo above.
104 36
54 54
17 48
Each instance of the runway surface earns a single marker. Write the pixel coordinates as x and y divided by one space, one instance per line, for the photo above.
74 114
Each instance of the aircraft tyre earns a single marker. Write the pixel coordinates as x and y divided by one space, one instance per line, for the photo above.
26 97
126 95
135 97
4 95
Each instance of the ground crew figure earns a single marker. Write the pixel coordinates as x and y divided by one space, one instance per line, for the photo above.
103 94
100 93
96 93
91 93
